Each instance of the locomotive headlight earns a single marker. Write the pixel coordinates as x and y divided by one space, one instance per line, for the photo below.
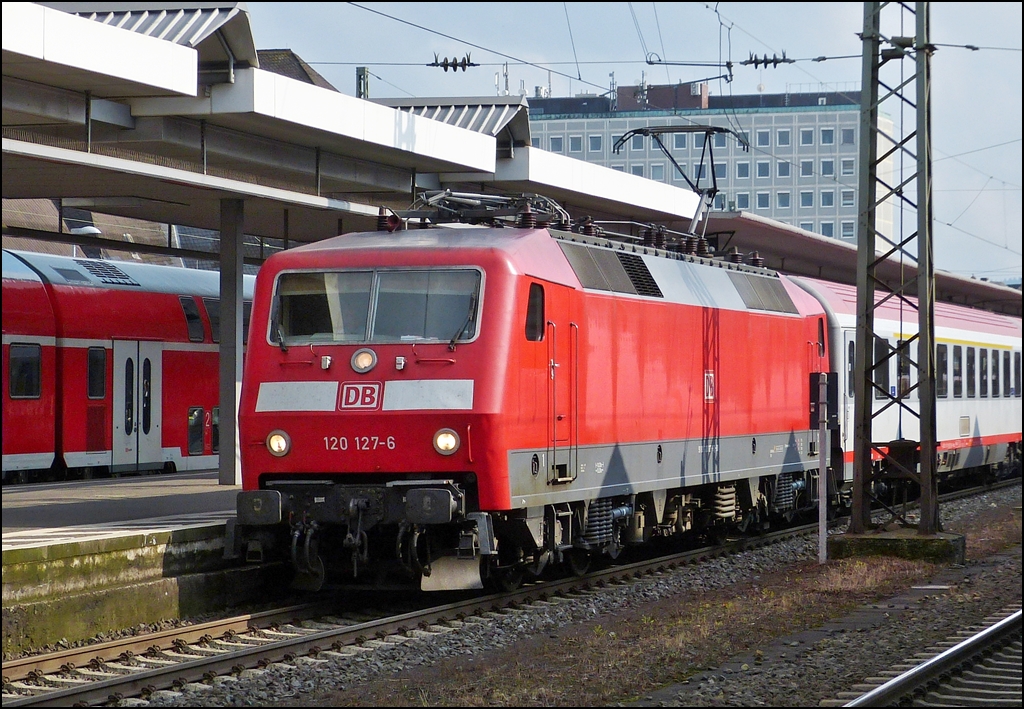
446 441
279 443
364 360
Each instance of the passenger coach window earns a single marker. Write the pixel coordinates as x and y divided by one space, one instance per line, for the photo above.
192 319
970 373
851 360
941 373
26 372
958 377
213 311
535 313
983 378
1016 374
1007 382
903 365
881 367
215 431
97 375
995 374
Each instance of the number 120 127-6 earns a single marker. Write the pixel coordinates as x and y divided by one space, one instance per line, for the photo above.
359 443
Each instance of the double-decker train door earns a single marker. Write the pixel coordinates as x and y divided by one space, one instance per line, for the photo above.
137 404
562 335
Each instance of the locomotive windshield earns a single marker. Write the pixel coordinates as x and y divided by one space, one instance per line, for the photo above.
377 306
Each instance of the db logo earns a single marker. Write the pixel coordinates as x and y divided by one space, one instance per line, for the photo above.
360 395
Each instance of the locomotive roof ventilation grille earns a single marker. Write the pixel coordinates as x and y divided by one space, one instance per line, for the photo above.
604 269
107 273
761 293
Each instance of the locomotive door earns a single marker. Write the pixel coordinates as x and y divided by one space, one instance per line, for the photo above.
563 347
137 405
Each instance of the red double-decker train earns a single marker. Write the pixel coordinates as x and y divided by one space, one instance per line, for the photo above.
456 404
109 367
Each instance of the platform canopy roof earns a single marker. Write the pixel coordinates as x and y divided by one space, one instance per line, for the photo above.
158 112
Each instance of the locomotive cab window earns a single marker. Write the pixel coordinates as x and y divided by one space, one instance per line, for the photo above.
535 313
25 372
410 305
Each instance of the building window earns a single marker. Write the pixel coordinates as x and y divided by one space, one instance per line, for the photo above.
720 202
698 141
806 168
807 226
658 172
846 166
700 170
679 141
636 142
618 168
742 200
595 143
806 136
575 143
828 168
764 168
719 140
721 169
782 137
764 200
764 138
828 198
534 142
677 174
848 230
782 168
783 200
848 198
828 136
742 170
637 170
556 143
828 229
846 136
807 199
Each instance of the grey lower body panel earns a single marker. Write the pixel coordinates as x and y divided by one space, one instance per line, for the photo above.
596 471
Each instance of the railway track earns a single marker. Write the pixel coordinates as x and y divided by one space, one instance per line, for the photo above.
980 667
308 633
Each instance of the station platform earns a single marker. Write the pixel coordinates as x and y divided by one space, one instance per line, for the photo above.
85 556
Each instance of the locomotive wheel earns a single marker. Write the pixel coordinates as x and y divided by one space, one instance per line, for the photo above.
579 561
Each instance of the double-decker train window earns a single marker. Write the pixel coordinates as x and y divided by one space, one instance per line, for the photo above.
192 319
129 397
958 371
213 311
941 371
26 372
195 430
535 313
147 395
983 373
971 375
995 374
97 373
215 430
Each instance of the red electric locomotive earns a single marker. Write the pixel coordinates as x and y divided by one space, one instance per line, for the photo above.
451 404
108 367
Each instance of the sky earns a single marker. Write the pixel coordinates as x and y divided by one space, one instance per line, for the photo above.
573 47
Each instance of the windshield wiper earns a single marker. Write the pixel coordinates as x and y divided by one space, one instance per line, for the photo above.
465 324
280 338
